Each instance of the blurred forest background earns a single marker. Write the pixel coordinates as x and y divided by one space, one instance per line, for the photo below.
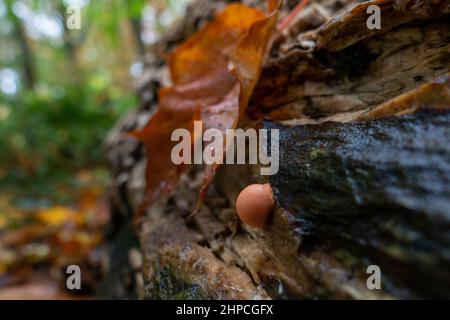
61 91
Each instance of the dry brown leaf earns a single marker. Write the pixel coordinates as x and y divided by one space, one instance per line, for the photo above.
205 89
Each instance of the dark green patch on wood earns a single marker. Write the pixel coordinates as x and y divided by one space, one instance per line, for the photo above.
167 286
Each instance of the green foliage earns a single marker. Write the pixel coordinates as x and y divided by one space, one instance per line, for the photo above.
49 133
73 86
56 128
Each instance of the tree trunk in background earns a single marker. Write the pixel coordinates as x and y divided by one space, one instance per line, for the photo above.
27 58
364 173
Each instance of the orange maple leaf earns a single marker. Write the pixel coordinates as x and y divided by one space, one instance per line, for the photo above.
214 74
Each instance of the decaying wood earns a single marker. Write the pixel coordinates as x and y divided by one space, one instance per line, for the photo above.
364 173
371 192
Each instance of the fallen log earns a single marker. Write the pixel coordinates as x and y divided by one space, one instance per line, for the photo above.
374 192
364 168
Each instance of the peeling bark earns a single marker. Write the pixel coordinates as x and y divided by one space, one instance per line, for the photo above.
365 166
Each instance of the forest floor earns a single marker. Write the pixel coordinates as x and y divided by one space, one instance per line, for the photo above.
41 235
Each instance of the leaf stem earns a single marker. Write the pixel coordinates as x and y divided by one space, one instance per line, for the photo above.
288 19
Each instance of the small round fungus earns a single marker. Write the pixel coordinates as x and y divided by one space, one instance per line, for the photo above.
255 204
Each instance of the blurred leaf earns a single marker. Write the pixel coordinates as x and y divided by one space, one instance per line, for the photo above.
205 89
135 8
58 215
36 290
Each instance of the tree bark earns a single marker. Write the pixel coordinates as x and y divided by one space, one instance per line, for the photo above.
26 52
364 168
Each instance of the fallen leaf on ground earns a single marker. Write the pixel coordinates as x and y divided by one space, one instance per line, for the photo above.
58 215
43 290
204 88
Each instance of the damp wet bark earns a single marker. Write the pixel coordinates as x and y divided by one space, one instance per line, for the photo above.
374 192
364 168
